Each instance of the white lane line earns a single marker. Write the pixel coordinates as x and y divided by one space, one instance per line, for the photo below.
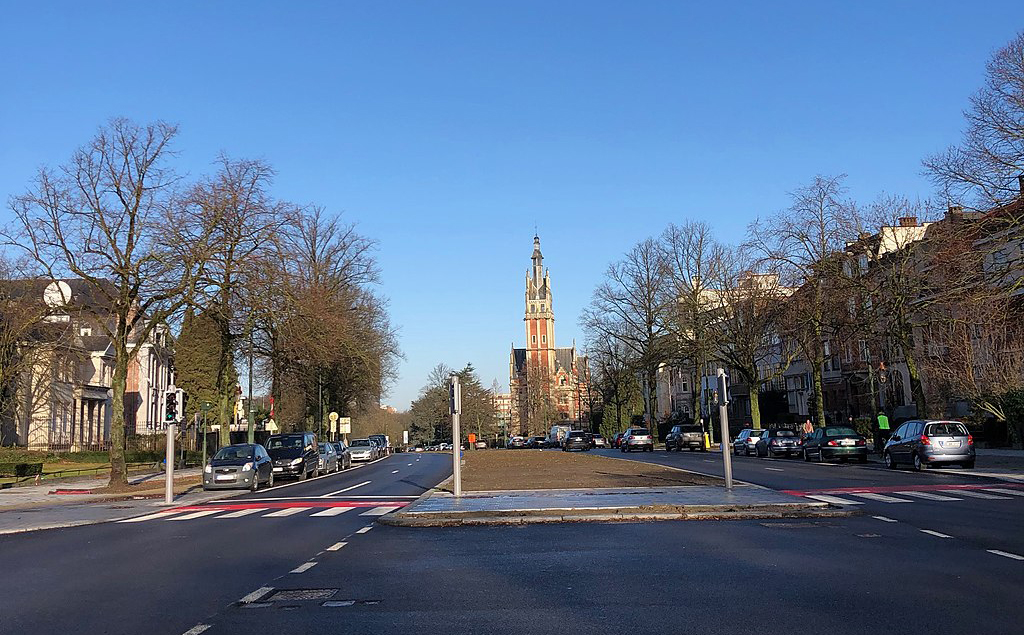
257 594
347 489
364 530
197 629
885 519
336 546
882 498
140 519
1005 554
408 464
835 500
775 469
287 511
935 533
929 496
302 568
1012 492
379 511
332 511
244 512
394 471
974 494
198 514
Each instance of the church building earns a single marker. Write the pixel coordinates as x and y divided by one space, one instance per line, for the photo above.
548 383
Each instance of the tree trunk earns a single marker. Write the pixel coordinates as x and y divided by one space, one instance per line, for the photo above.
118 468
916 385
755 405
819 392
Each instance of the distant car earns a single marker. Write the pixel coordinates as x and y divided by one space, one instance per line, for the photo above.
778 442
516 442
927 443
690 437
419 448
344 456
328 458
576 440
245 466
480 445
835 443
617 439
637 439
746 441
294 454
382 442
363 450
536 443
598 441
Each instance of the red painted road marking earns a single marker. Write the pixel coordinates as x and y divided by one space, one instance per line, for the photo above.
286 505
895 488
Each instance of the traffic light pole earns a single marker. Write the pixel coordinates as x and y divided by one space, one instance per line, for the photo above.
723 415
169 466
455 406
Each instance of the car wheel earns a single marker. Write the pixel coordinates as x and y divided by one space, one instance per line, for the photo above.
735 450
821 456
919 465
303 475
255 482
807 457
888 460
270 481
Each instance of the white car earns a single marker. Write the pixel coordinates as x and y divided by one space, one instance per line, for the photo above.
363 450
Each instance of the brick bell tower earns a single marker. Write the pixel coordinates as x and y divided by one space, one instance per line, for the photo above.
540 314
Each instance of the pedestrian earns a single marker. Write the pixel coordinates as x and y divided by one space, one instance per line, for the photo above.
808 428
881 432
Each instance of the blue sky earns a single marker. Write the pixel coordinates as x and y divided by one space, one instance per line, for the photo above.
447 130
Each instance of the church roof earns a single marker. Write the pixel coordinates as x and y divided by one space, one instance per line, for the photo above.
564 358
519 359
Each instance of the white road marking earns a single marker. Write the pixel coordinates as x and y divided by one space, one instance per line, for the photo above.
257 594
347 489
336 603
974 494
140 519
364 530
394 471
775 469
929 496
1012 492
244 512
336 546
198 514
379 511
882 498
835 500
197 629
935 533
408 464
332 511
885 519
1005 554
287 511
302 568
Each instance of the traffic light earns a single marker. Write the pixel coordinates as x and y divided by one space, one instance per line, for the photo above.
171 405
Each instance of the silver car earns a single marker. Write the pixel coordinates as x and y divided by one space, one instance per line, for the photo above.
363 450
746 441
328 459
926 443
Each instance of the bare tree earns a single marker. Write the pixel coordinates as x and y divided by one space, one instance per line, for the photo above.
985 167
803 243
614 378
112 218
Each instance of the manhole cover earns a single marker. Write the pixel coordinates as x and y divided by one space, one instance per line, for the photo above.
302 594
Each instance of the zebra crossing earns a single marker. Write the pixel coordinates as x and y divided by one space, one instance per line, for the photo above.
850 496
311 510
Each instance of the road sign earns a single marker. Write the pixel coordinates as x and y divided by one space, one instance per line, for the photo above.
345 425
333 416
405 437
271 426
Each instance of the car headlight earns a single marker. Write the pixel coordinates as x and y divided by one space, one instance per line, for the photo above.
296 461
247 467
208 469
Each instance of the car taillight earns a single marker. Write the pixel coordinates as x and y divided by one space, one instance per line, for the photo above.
970 440
860 442
774 441
832 442
925 440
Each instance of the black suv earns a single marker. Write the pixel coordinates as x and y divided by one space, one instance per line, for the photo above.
294 454
576 440
690 437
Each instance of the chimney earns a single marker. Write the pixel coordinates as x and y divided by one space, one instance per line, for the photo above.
908 221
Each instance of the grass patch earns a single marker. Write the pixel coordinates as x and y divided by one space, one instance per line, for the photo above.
542 469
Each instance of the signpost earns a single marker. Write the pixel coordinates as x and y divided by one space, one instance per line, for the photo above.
334 424
169 466
345 427
722 396
455 408
206 407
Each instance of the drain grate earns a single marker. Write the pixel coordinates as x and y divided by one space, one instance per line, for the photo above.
302 594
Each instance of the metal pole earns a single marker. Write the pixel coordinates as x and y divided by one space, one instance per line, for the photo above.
203 466
456 407
169 466
250 411
723 415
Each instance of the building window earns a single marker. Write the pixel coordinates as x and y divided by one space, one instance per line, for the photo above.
533 308
542 308
543 338
85 330
534 339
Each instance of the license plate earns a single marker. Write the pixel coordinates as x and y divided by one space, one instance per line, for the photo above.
950 444
279 469
225 477
846 442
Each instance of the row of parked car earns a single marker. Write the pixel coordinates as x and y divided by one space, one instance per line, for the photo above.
571 440
918 443
297 454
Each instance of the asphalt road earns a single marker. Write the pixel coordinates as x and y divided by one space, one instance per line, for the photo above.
288 562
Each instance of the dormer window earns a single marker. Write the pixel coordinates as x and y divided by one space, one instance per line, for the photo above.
85 330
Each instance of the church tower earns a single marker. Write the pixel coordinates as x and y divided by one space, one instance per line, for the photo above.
540 314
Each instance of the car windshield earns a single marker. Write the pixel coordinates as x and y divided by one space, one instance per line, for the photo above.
284 442
232 452
950 429
784 433
691 429
840 432
577 435
361 443
323 448
639 432
598 436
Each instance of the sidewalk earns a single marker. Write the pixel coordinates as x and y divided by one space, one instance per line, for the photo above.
34 507
604 505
